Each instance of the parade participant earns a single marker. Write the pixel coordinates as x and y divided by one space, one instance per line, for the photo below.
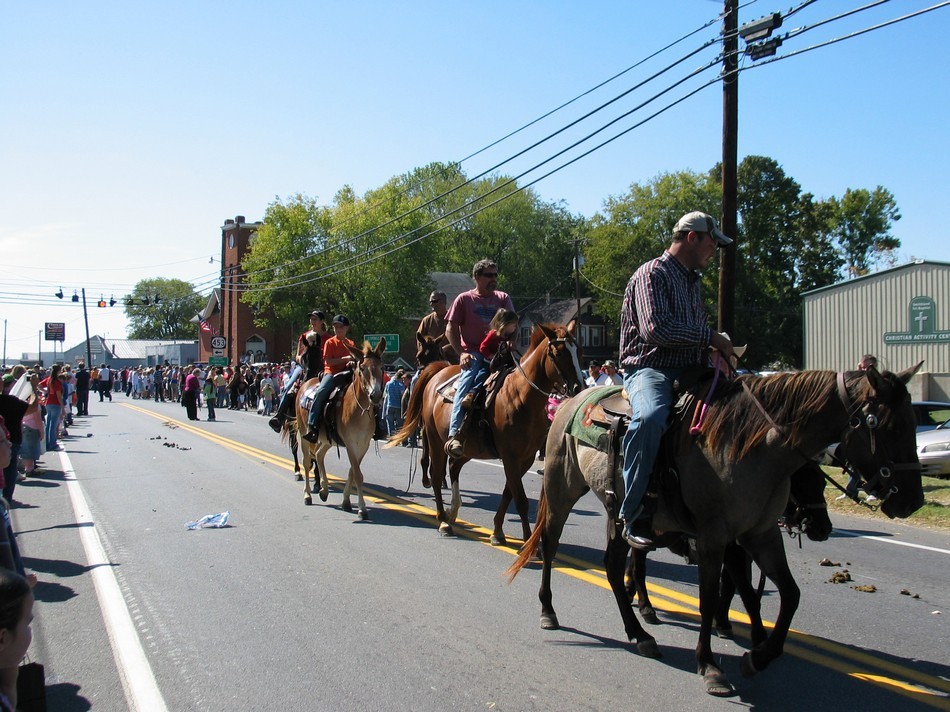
495 347
433 325
309 359
663 330
336 358
469 320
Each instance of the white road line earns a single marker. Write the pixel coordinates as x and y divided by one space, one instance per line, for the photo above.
138 681
890 540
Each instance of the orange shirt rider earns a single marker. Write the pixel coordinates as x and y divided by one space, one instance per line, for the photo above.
336 355
336 358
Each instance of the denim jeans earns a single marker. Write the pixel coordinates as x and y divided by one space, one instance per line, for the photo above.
320 400
650 392
469 379
53 413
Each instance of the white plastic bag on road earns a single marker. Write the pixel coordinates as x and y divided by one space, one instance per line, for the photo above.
210 521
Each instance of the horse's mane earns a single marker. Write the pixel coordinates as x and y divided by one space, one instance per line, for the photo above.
538 335
734 425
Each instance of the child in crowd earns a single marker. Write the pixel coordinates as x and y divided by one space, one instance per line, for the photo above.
16 633
495 347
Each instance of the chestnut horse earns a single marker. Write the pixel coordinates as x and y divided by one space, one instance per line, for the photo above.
734 483
355 421
517 421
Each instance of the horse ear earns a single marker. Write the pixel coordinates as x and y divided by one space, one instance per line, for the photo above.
571 328
380 347
547 332
355 352
909 373
421 338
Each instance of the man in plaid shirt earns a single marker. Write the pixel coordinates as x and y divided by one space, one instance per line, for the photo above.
663 330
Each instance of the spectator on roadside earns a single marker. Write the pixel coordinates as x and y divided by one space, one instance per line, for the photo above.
105 382
393 397
209 392
593 373
16 632
53 388
189 397
82 389
609 376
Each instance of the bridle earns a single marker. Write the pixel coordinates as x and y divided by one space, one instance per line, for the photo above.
863 415
357 377
551 352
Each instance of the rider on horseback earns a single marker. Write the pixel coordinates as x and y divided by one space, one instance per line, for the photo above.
663 330
469 322
310 358
337 358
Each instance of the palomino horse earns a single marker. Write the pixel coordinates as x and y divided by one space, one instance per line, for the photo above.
734 483
806 512
517 421
355 421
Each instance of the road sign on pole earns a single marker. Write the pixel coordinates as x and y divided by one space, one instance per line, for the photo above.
392 341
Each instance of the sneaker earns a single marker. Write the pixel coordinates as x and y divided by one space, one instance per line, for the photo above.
871 499
842 497
453 447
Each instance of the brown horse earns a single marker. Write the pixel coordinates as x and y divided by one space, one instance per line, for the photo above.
355 422
734 483
517 421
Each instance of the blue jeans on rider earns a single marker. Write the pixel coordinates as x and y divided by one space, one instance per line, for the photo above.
320 400
292 378
650 392
469 379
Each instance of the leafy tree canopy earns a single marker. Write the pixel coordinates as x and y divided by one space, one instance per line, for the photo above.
160 308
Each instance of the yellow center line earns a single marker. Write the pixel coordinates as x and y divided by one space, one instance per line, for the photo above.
929 689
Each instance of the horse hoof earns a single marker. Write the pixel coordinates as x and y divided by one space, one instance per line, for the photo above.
308 500
549 622
445 530
717 684
649 649
323 495
363 515
496 540
347 507
425 482
747 667
724 632
650 617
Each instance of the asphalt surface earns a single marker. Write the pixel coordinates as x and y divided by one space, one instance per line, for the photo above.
296 607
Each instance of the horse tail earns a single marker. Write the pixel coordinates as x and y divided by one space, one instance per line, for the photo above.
413 414
530 548
288 431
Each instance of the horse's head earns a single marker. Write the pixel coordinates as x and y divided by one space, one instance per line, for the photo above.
369 370
429 350
806 508
880 440
562 365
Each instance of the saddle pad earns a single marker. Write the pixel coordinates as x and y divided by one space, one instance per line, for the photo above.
447 389
581 427
308 396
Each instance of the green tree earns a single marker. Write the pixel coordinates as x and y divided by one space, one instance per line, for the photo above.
864 220
160 308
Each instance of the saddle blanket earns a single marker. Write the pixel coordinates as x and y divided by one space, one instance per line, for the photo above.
309 395
593 433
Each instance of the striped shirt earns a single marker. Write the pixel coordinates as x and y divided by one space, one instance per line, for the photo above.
662 321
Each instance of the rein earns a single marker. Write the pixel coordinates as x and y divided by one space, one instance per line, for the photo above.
560 373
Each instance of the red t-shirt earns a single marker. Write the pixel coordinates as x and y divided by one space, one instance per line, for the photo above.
473 314
54 392
335 348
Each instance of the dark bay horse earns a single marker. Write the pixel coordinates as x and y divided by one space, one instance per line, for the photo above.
806 512
734 483
517 421
355 422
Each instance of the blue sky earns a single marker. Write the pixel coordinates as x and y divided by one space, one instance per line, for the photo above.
130 130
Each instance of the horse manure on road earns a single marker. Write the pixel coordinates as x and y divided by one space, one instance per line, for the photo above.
870 588
840 577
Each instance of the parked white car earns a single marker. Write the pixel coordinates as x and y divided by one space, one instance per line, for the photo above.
933 451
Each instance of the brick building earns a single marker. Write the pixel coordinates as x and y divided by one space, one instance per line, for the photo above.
232 319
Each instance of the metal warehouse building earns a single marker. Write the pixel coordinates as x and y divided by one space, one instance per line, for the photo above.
901 315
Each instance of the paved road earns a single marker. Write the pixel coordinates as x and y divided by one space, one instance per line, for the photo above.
294 607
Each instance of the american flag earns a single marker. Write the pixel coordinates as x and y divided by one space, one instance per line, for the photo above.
204 325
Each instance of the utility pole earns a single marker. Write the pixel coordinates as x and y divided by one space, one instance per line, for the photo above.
730 151
577 288
85 316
